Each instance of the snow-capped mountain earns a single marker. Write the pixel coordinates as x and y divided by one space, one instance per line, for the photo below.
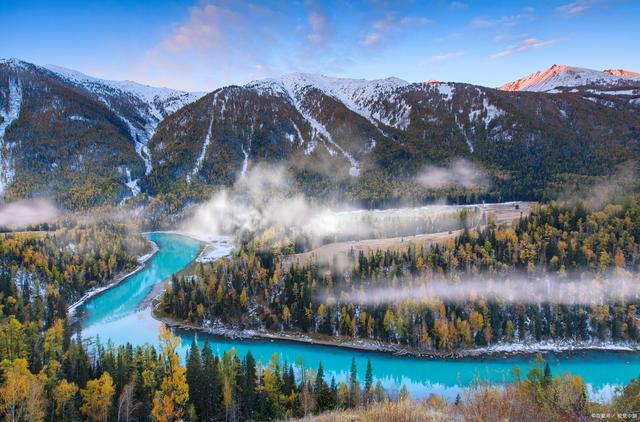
358 95
561 78
345 130
141 107
87 141
622 73
65 119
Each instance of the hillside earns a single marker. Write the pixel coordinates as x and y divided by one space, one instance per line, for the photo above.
353 134
88 142
78 138
561 78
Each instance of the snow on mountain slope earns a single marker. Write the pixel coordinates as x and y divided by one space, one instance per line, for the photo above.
353 93
140 107
205 144
9 113
162 101
359 95
560 76
623 73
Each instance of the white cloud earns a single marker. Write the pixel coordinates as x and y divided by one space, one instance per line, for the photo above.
22 213
382 29
318 23
524 45
459 173
439 58
576 7
482 22
458 5
371 39
409 20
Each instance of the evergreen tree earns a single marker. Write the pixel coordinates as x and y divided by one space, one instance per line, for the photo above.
194 379
322 392
212 386
248 398
353 383
546 380
368 377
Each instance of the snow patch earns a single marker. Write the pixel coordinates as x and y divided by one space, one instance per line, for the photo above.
293 86
217 248
132 184
491 111
601 101
376 100
245 162
299 134
560 76
77 117
145 105
9 115
446 90
207 141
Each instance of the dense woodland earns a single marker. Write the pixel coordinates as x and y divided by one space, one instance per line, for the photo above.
254 290
81 380
48 373
42 273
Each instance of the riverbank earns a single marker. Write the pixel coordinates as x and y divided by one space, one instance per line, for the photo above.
161 286
142 260
212 247
498 350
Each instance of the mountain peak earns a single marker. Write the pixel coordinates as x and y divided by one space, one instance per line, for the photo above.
325 82
623 73
563 76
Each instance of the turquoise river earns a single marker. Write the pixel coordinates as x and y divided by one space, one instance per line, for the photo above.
115 315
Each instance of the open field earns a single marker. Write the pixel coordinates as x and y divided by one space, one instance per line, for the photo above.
503 213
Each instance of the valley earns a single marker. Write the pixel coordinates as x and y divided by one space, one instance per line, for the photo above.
92 142
440 235
123 322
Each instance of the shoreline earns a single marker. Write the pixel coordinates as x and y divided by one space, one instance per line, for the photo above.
348 343
375 346
96 291
159 288
204 256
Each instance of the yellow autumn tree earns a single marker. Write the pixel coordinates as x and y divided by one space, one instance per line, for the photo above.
53 341
97 398
170 400
62 395
22 394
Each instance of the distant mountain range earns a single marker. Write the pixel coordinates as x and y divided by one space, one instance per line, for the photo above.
561 78
88 141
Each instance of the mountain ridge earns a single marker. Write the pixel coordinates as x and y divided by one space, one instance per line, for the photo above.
88 141
557 77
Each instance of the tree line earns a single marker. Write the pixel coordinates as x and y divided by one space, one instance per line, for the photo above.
41 274
254 290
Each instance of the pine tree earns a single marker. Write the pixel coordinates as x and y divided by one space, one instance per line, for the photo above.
368 377
211 383
248 398
353 380
322 392
194 378
546 380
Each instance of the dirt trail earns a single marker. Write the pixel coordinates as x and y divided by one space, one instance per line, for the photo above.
339 251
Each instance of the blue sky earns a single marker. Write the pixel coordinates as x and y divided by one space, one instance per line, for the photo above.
203 45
